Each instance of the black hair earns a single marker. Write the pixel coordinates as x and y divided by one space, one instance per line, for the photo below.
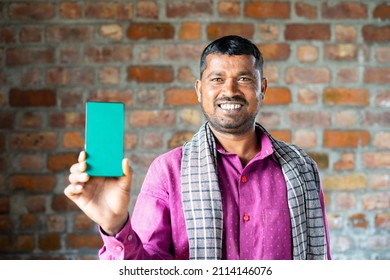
232 45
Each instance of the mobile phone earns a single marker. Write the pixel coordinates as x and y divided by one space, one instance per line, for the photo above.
104 138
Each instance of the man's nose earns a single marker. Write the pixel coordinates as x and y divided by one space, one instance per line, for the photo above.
230 87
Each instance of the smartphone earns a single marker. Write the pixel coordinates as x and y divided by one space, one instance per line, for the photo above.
104 138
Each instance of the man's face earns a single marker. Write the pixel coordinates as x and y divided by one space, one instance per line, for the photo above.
230 92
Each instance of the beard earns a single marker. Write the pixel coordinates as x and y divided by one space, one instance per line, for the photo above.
235 124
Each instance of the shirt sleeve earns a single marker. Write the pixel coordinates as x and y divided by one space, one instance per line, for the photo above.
147 235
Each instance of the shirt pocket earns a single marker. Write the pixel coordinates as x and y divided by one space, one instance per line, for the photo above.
276 231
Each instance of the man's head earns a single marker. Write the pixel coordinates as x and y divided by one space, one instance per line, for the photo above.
231 87
232 45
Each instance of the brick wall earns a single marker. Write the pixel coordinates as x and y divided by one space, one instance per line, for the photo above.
328 71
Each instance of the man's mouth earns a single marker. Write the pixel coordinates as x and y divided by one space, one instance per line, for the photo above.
230 106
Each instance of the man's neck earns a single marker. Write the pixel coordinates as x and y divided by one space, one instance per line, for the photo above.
245 146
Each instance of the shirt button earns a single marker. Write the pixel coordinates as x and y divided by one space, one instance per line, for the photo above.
243 179
130 237
118 248
246 218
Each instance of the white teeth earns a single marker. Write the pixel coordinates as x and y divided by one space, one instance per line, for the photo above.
230 106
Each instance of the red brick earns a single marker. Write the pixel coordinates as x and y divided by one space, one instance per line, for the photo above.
267 10
55 223
347 75
149 53
380 181
305 138
373 33
111 31
36 203
82 222
69 33
29 222
31 162
71 76
299 31
31 34
50 242
307 96
33 141
61 162
152 140
308 119
7 35
346 96
346 118
269 118
32 97
147 9
181 9
190 31
383 119
346 138
70 10
150 31
33 183
180 97
148 97
382 11
306 10
344 11
16 243
229 9
109 75
32 77
4 205
5 224
185 75
277 96
268 32
79 241
116 11
179 138
150 74
359 221
29 56
282 135
31 11
346 33
341 52
376 201
67 119
130 141
382 221
190 116
184 52
307 75
307 53
377 75
346 162
278 51
30 120
345 201
7 120
382 140
376 159
73 139
216 30
70 55
347 181
61 203
382 54
112 95
321 159
111 53
144 118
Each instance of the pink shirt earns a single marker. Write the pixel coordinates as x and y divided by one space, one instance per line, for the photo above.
254 198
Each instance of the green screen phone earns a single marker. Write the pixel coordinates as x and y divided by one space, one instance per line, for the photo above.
104 138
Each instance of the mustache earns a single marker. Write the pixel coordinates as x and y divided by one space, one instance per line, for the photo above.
238 99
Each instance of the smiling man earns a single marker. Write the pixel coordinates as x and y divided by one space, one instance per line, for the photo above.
232 192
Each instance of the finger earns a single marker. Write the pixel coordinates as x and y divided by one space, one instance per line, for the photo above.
73 190
76 178
126 167
82 156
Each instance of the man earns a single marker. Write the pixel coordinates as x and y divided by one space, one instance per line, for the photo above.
232 192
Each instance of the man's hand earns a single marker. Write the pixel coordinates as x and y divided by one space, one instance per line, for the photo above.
104 200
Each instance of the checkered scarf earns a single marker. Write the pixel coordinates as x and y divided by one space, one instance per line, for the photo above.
201 198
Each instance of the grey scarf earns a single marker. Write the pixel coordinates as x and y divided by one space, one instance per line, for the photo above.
202 205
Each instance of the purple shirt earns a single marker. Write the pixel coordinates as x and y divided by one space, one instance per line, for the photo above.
254 198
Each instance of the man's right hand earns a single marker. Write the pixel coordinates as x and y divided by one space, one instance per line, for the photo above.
104 200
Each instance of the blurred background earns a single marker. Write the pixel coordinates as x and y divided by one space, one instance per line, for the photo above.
327 64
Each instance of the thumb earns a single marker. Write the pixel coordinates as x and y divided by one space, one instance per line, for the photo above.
126 167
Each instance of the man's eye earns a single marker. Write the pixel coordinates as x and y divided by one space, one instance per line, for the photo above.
216 79
244 79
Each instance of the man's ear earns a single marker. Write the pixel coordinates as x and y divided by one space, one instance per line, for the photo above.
198 86
263 88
